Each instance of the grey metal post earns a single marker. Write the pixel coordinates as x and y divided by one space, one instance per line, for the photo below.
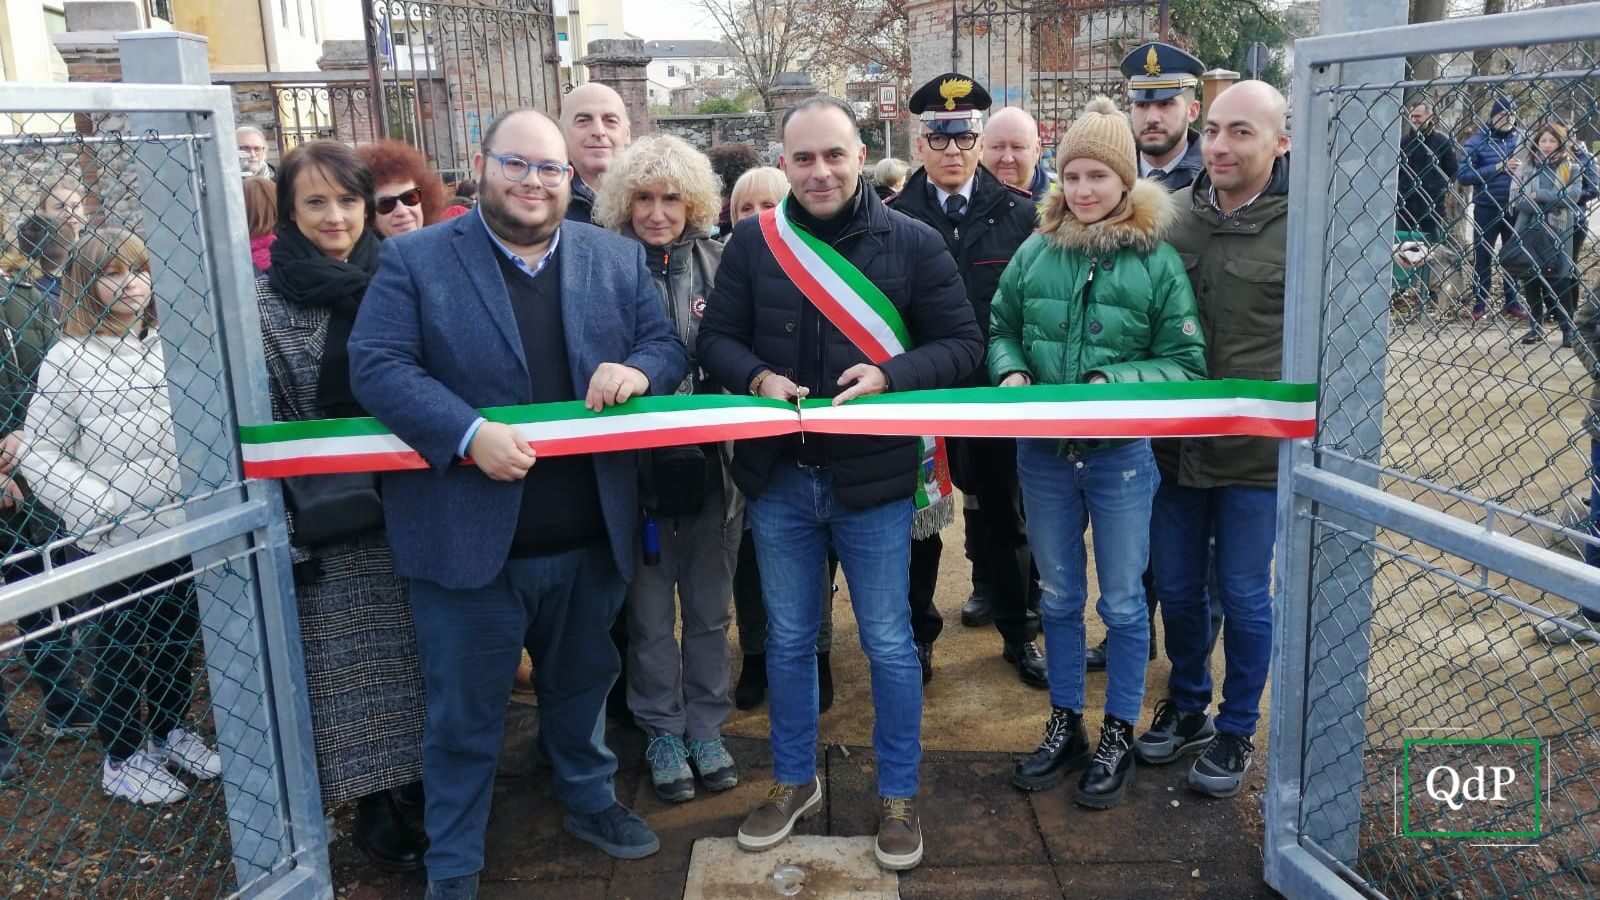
1356 342
194 226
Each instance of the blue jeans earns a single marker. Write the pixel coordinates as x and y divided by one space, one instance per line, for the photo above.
794 522
1244 522
558 607
1490 224
1111 491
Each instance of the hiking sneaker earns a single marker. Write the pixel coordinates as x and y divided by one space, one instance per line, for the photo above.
1173 734
141 779
615 830
1220 770
669 768
186 752
1554 632
712 762
899 844
771 822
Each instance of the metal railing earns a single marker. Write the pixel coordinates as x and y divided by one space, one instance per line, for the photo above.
154 737
1432 585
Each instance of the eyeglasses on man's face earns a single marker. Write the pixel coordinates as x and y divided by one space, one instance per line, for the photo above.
516 170
412 197
966 140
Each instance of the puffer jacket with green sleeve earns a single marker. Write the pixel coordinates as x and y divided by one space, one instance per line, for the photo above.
1109 298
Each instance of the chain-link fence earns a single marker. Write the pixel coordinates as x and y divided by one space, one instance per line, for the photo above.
151 742
1443 291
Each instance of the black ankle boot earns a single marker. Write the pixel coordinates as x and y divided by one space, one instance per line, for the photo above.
412 802
824 682
1065 749
385 837
752 686
1111 771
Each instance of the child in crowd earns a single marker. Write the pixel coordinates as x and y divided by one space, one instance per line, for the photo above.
1095 296
99 451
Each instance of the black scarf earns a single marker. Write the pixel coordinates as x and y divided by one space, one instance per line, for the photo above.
304 276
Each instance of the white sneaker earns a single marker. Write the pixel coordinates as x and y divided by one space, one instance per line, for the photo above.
1553 632
141 779
188 753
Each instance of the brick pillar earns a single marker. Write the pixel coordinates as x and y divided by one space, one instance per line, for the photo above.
350 104
620 65
89 45
1213 83
792 87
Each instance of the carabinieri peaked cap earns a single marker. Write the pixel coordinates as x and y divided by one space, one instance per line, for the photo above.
951 103
1157 71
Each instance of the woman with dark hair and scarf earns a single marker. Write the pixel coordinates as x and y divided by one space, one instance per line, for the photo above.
362 672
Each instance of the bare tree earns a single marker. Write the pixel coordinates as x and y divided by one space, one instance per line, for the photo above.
859 34
1425 67
763 36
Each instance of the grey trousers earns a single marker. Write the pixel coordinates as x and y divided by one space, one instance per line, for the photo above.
682 687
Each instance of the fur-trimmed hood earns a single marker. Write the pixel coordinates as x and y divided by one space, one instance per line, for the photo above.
1142 228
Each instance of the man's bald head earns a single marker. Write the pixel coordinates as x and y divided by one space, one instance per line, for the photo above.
1011 146
595 122
1255 100
1244 134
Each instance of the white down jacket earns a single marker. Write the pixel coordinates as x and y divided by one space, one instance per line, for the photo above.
98 447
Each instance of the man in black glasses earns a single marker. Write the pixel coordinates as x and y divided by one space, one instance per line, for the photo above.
506 550
983 221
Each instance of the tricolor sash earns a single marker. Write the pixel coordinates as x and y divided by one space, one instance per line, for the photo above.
861 311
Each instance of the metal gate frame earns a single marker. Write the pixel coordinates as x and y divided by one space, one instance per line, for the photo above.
268 703
1343 484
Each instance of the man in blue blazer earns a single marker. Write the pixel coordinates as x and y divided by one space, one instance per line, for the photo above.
508 305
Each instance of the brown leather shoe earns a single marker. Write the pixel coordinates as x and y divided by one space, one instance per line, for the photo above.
899 845
771 822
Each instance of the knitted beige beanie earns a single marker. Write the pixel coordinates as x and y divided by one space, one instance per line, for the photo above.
1101 133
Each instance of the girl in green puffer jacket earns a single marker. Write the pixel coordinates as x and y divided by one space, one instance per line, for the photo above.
1095 296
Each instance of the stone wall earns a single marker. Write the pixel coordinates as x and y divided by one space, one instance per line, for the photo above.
705 132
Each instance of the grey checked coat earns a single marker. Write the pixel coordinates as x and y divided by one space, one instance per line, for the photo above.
362 671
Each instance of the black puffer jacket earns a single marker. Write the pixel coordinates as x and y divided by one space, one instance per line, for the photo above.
996 222
757 319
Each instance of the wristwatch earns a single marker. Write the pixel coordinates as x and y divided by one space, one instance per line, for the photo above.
755 383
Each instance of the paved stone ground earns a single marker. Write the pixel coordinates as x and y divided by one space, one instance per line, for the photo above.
984 838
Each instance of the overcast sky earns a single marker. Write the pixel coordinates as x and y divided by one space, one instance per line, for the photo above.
656 20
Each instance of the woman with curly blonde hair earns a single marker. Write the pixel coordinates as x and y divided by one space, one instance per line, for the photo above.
662 193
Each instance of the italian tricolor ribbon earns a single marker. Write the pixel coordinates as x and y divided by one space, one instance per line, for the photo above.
861 311
1180 409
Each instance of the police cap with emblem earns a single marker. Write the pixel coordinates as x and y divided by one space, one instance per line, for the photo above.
952 103
1157 71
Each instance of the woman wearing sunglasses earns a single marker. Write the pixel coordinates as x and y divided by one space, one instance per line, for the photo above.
409 193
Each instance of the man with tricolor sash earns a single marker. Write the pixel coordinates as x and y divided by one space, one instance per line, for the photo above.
833 295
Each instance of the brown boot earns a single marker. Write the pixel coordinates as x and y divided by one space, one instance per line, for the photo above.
899 845
771 822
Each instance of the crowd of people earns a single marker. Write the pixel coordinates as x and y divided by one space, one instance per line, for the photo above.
1531 193
579 264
